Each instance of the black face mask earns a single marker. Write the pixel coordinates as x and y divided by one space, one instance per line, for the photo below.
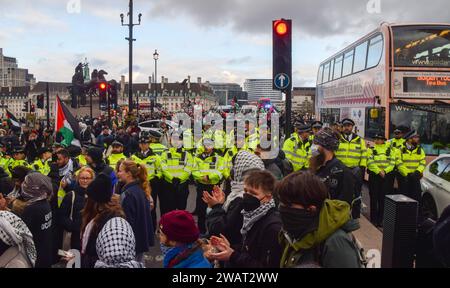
250 202
297 222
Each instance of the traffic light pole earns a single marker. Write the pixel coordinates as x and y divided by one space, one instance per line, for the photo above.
47 91
108 104
288 124
90 104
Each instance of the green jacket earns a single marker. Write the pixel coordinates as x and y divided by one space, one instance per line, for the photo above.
329 246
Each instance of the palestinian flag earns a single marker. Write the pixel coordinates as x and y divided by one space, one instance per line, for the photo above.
12 119
67 125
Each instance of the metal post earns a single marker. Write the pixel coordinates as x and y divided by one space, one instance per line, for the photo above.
137 104
288 114
130 60
90 106
108 103
47 90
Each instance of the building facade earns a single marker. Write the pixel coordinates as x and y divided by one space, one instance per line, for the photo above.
226 92
303 100
261 88
171 96
13 76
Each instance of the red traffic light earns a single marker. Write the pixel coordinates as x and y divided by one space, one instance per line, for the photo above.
102 86
281 28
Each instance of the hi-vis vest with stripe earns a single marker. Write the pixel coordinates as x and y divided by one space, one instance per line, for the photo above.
411 161
213 166
41 167
158 148
381 157
152 164
297 152
354 153
113 159
176 164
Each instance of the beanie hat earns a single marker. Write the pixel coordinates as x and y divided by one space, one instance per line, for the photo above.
96 154
328 139
179 226
100 190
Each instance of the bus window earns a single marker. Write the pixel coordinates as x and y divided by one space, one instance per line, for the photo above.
319 77
330 115
375 51
348 63
360 57
375 125
432 122
422 46
326 72
337 67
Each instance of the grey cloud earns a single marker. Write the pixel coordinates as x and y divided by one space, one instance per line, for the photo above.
317 18
136 68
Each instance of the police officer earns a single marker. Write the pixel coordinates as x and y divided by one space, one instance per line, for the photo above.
42 164
151 161
338 178
208 171
398 141
411 164
81 159
352 153
176 167
19 157
116 154
297 149
155 142
381 164
316 126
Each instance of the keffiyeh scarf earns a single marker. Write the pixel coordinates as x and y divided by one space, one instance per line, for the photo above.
244 161
14 232
116 245
251 217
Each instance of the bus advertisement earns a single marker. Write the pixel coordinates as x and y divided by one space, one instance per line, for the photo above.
402 72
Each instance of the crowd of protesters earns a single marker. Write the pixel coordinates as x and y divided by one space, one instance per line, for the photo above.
296 209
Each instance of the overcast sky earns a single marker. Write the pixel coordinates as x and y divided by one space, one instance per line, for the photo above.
218 40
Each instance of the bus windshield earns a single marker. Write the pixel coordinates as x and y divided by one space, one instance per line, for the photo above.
422 46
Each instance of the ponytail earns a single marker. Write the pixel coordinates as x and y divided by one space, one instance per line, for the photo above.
138 172
144 181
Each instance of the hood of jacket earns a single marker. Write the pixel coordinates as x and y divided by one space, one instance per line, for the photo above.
333 216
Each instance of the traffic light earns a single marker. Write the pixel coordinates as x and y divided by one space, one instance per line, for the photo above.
25 106
40 101
113 93
282 54
32 108
102 89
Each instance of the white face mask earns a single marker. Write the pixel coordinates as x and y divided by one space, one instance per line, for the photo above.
315 150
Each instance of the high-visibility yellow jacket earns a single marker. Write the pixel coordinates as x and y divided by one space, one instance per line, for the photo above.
297 152
14 163
158 148
176 163
253 140
151 162
354 153
42 167
81 160
113 159
381 157
228 158
397 143
411 161
311 137
4 163
211 166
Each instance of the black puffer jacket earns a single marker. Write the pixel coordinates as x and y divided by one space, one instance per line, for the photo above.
6 184
73 225
260 248
228 223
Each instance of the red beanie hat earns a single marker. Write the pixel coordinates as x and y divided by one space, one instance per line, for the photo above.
179 226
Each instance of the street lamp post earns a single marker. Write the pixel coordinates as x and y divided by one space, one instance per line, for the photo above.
156 57
130 44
